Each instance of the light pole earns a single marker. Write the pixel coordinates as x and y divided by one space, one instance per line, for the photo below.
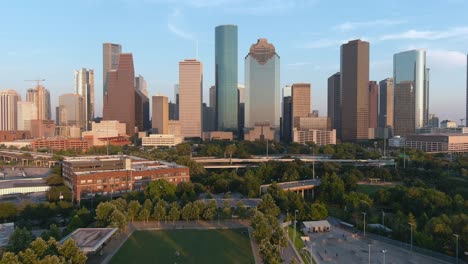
364 223
294 239
456 236
369 252
383 218
384 251
313 163
411 235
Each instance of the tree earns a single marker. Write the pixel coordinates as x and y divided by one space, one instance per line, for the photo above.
103 214
118 219
227 212
331 188
9 258
145 212
187 211
230 149
210 210
7 210
134 208
40 247
198 208
268 206
72 252
174 212
19 240
28 256
54 180
121 204
161 189
241 210
186 192
160 210
319 211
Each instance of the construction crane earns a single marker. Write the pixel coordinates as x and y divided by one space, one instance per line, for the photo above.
38 81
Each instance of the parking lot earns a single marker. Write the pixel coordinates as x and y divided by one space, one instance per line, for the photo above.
341 246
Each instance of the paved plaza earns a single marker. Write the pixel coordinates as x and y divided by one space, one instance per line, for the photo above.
340 246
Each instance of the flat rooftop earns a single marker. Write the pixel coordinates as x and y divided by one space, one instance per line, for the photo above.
90 239
295 184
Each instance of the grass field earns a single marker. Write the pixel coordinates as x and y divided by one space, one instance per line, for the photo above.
193 246
369 189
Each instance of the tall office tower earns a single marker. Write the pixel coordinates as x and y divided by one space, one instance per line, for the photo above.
334 102
176 93
72 110
110 61
373 104
241 93
286 91
9 109
300 102
141 85
208 118
119 101
160 114
27 111
190 97
262 85
40 96
286 120
386 103
84 86
226 77
410 66
466 116
404 113
213 96
173 111
354 90
433 121
142 121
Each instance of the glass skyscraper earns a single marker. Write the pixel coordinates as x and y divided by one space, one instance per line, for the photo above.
226 77
262 84
410 72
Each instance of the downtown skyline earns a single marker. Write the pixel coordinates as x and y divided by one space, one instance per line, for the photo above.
309 48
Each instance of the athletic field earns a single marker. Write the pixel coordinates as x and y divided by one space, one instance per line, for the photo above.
186 246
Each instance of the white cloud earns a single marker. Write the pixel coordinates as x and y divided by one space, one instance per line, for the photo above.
455 32
327 43
172 24
441 58
348 26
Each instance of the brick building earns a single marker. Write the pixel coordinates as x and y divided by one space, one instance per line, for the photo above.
115 175
76 144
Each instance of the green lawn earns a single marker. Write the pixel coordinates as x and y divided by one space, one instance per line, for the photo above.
194 246
369 189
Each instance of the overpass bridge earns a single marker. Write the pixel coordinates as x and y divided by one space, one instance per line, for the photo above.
235 163
27 158
305 188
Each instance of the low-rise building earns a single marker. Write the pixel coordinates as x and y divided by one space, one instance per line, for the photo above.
12 135
261 131
396 142
161 140
106 132
217 135
438 143
116 175
76 144
42 128
317 136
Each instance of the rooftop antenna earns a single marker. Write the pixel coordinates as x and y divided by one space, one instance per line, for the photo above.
196 49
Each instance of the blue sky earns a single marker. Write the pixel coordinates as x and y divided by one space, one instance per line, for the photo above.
49 39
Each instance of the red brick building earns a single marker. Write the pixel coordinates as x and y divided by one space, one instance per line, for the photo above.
11 135
116 175
76 144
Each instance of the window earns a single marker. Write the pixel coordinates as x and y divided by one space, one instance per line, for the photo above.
83 181
99 181
90 181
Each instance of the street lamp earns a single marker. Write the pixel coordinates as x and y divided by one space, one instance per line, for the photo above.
364 223
383 218
369 252
456 236
384 251
295 212
411 235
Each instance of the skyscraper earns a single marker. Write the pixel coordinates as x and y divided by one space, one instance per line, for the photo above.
160 114
40 96
213 96
119 101
466 116
404 114
301 104
72 110
373 104
286 120
84 86
386 103
8 109
27 111
190 97
141 85
410 66
110 61
262 85
334 102
141 111
354 90
241 92
226 77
